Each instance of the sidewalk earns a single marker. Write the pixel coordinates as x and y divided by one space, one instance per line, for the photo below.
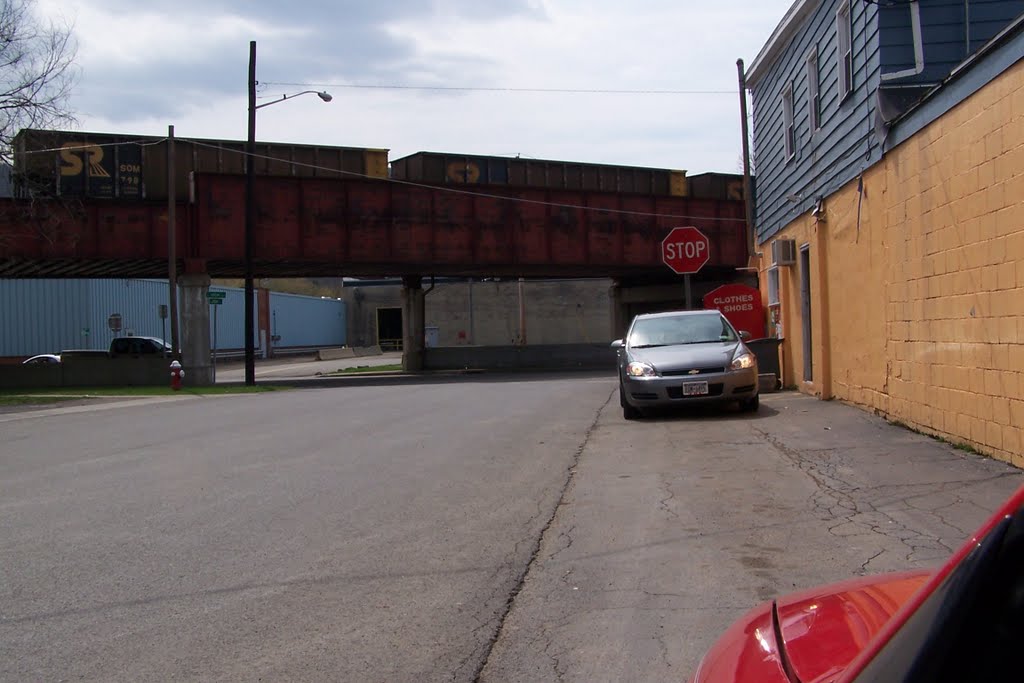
671 528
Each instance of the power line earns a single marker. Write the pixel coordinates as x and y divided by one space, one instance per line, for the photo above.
457 88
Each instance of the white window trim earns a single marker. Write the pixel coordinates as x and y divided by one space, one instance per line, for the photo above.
844 53
915 27
788 122
773 286
813 89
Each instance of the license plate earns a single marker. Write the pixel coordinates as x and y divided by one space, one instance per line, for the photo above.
695 388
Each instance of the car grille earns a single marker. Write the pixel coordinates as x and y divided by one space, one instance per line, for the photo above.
677 392
690 372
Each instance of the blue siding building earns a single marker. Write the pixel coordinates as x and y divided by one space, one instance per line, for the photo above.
834 77
306 321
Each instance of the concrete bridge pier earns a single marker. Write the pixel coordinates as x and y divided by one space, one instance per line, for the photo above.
619 312
413 323
195 329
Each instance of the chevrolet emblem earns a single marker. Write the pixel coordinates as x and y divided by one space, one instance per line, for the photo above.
694 372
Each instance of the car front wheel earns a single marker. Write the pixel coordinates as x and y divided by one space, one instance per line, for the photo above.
751 404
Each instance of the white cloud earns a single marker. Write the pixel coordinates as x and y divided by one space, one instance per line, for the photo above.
145 69
147 36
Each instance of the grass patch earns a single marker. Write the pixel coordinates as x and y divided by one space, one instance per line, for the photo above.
958 445
966 448
67 393
368 368
32 400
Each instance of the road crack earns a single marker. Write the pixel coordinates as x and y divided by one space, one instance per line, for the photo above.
571 471
663 504
834 500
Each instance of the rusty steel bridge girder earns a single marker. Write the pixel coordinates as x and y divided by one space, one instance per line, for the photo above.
317 227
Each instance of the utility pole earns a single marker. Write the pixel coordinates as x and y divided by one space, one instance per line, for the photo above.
250 219
748 195
172 255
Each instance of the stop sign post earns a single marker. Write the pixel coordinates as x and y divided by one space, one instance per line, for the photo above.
685 250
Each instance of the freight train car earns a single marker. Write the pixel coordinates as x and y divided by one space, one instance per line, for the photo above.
99 165
716 186
435 168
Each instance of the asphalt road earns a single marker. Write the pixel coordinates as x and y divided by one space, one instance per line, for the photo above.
484 528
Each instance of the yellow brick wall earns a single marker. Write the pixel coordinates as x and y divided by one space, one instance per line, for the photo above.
917 280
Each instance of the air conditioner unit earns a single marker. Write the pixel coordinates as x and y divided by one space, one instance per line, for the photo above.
783 252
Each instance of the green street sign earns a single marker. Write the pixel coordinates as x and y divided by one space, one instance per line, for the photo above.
215 298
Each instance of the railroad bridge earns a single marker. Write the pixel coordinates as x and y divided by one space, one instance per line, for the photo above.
359 225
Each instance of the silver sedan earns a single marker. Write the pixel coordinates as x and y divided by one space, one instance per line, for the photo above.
684 357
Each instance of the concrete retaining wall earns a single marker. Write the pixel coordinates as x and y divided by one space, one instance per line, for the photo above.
487 313
546 357
335 354
348 352
89 371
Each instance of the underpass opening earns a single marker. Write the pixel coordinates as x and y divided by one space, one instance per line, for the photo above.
477 323
389 328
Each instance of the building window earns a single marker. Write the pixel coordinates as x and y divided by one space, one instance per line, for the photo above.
813 94
773 286
787 121
845 53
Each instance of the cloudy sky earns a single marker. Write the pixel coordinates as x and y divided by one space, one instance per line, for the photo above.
147 65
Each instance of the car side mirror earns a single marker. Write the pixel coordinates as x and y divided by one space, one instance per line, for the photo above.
617 344
744 335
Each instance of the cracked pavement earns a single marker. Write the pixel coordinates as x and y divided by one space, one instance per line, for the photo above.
499 528
672 527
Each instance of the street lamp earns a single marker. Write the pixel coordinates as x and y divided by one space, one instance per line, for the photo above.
322 94
250 208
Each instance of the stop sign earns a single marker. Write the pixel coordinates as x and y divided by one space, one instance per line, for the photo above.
685 250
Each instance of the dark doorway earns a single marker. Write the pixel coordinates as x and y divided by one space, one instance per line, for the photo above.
805 309
389 329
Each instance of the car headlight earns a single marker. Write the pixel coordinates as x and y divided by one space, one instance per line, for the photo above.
743 361
637 369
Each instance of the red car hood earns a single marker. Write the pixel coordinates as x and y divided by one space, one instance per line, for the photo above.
821 630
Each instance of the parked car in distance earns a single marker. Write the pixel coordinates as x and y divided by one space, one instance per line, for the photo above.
119 346
964 622
684 357
43 359
138 346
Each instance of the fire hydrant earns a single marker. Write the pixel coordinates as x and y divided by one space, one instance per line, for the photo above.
176 374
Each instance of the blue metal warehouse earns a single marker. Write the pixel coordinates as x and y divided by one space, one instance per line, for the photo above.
48 316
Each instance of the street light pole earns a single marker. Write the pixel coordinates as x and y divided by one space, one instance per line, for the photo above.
250 217
250 210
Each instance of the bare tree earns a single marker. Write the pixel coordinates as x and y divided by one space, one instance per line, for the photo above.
36 72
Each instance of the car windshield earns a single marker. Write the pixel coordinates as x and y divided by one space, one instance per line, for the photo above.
682 329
